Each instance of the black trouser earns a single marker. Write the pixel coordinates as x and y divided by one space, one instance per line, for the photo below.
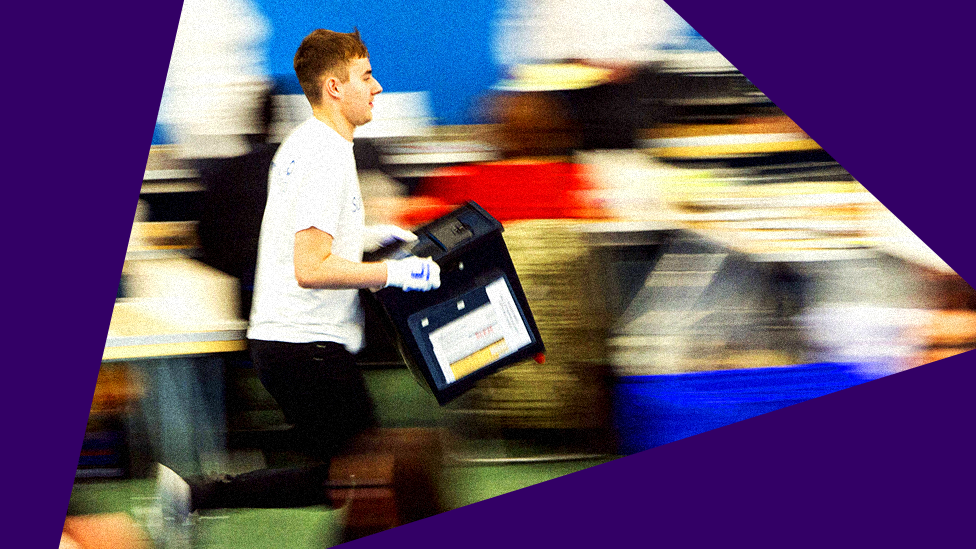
322 393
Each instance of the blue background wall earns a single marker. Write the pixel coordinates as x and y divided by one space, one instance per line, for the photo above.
443 47
438 46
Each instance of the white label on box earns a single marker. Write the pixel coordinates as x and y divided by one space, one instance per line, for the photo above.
482 336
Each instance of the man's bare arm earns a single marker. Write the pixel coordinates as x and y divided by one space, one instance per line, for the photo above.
317 268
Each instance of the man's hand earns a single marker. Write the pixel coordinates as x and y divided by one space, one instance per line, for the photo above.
378 236
413 273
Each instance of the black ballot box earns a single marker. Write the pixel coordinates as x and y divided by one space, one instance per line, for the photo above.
477 322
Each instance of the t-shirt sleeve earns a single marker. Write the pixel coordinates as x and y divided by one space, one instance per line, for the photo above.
319 197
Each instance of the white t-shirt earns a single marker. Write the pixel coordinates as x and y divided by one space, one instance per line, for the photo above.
312 183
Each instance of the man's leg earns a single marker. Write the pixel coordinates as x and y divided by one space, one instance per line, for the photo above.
320 390
263 489
322 393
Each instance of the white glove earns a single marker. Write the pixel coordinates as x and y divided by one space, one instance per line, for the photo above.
377 236
413 273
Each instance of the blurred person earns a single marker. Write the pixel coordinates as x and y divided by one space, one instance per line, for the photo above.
536 178
532 125
624 37
217 92
306 322
213 108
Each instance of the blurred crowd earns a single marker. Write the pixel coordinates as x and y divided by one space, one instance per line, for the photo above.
666 216
691 255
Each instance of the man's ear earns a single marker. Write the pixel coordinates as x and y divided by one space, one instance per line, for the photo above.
331 87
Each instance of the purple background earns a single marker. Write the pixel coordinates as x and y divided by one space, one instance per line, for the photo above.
82 88
889 461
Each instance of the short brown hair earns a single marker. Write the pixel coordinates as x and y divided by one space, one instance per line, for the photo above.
324 52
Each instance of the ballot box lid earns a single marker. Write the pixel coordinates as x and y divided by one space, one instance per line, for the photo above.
445 237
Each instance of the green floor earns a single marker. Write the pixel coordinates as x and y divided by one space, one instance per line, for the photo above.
313 526
230 528
464 485
400 403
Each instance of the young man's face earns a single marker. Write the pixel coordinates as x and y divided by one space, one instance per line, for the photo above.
358 93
